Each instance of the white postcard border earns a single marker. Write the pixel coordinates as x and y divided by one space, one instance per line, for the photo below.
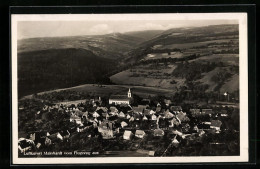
243 85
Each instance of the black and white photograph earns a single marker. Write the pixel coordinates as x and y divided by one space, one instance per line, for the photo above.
129 88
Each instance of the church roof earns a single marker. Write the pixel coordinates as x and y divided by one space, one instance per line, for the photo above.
119 97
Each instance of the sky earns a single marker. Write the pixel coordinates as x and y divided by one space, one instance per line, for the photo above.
32 29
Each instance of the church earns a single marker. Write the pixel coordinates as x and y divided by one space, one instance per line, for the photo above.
121 99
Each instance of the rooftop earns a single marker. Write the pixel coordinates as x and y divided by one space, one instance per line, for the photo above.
119 97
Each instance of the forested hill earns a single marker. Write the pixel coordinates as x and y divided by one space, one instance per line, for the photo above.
59 68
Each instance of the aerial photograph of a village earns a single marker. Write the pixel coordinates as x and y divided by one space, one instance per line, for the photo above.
139 88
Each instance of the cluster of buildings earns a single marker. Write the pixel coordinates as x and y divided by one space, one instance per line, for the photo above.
121 119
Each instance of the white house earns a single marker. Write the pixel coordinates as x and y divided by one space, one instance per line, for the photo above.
127 135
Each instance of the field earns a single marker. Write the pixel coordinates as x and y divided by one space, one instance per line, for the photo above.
149 75
163 55
231 85
195 44
105 90
230 59
207 79
216 54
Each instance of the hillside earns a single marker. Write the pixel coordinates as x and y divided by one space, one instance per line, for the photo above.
188 41
204 59
190 58
145 35
109 46
58 68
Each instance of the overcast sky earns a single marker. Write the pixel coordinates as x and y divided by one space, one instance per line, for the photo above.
31 29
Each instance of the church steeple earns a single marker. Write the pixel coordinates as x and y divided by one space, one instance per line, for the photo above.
129 93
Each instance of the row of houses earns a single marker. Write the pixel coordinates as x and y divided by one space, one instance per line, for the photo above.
140 134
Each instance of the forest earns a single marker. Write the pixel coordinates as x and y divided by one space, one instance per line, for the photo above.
60 68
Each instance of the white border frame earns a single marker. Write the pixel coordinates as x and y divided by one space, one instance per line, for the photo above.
243 85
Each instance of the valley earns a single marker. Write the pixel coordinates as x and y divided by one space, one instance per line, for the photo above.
175 59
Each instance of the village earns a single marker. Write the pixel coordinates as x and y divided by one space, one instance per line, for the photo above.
116 127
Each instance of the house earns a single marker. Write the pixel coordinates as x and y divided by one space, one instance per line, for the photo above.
201 133
195 128
182 117
152 112
146 101
80 129
207 112
137 116
177 133
195 112
146 112
158 132
145 118
106 133
167 102
127 135
76 119
158 109
38 145
139 133
103 124
78 113
216 124
223 113
128 116
173 122
121 99
95 101
168 114
95 114
85 115
55 137
123 124
151 153
113 111
203 126
104 109
153 117
105 115
32 137
132 119
139 109
121 115
175 141
106 124
175 108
